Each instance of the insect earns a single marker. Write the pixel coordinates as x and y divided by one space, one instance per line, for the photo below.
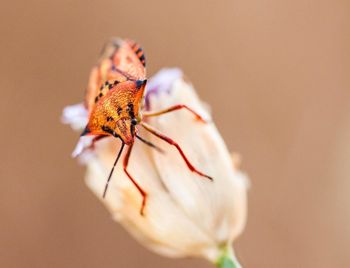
114 101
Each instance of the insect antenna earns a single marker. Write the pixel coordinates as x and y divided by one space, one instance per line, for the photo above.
150 144
111 173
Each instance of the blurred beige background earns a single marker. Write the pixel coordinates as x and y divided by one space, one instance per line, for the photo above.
277 76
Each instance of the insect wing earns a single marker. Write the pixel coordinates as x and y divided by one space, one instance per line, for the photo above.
129 60
125 57
120 60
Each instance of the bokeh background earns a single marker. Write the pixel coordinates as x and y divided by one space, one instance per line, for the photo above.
277 76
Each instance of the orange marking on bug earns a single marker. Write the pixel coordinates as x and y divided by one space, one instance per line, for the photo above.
115 90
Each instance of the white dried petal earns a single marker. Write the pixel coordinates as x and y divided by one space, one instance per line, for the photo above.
76 116
186 214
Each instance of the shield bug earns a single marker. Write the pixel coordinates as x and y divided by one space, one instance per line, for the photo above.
114 101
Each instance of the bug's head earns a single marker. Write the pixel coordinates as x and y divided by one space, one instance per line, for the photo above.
130 112
118 112
125 128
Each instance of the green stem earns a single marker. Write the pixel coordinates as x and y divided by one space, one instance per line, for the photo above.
227 259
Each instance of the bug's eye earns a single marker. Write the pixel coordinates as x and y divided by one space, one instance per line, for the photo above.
134 121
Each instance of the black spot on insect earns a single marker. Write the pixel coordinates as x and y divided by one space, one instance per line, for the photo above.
140 83
100 95
138 51
116 82
86 131
130 107
106 83
107 129
119 110
142 57
101 87
109 118
130 110
110 86
134 121
96 99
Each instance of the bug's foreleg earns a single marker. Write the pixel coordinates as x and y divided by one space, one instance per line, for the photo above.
97 138
170 141
175 108
142 192
89 146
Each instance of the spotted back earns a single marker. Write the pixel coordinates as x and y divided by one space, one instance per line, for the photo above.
114 113
120 61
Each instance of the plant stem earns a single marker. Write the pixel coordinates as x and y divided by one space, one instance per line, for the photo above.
227 259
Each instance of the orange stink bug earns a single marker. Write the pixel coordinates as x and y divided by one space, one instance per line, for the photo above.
114 102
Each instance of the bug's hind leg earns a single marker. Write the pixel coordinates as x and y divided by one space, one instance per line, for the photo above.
175 108
170 141
142 192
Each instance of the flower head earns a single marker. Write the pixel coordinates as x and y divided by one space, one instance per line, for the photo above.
185 214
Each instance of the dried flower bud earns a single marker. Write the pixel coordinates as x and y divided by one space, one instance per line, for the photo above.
185 215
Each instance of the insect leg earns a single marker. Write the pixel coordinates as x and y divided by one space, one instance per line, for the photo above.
142 192
97 138
175 108
110 174
170 141
88 147
150 144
